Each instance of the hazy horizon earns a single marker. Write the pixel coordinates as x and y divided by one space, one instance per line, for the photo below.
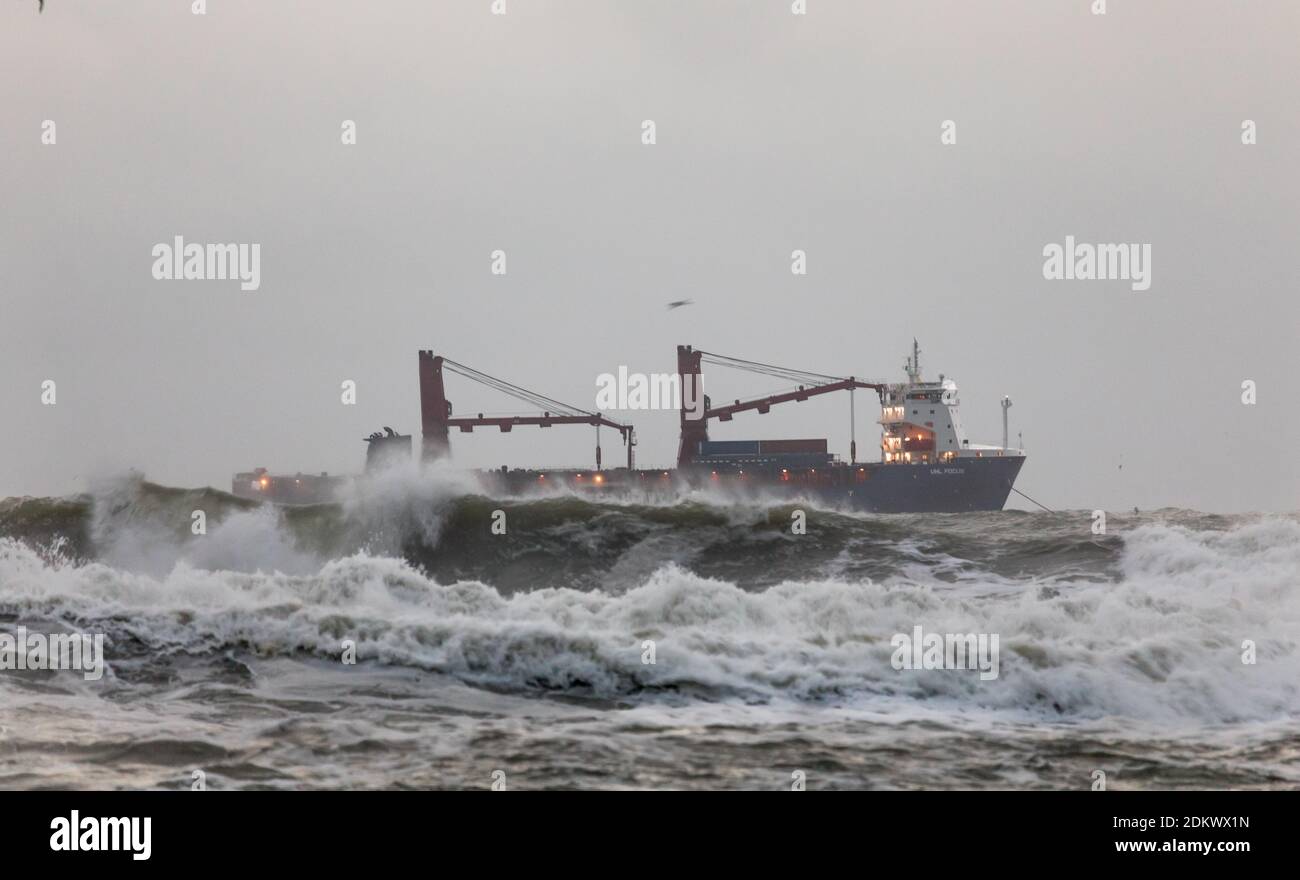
774 133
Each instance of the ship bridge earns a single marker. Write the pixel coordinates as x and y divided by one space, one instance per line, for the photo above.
921 423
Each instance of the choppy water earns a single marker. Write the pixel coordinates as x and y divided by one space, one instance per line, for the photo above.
523 653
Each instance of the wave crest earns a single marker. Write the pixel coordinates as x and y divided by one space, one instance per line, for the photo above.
1162 643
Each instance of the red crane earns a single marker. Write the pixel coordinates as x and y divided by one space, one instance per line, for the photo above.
695 424
437 420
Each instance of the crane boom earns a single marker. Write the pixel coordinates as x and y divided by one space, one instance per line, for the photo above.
695 425
763 404
436 409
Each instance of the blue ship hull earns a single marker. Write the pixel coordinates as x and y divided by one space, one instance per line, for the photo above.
967 484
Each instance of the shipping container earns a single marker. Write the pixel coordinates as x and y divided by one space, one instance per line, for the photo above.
793 446
729 447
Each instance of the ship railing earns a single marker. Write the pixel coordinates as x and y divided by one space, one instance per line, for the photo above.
578 468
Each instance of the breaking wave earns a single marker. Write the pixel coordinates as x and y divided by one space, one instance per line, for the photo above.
436 521
1148 622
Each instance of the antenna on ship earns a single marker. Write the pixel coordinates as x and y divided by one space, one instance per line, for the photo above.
913 365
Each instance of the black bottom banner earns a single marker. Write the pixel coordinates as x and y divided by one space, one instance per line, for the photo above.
335 829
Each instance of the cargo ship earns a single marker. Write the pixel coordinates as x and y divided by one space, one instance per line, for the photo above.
927 463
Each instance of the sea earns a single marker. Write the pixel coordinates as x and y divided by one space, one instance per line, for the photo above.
419 635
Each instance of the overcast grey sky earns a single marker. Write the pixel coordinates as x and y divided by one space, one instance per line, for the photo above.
775 132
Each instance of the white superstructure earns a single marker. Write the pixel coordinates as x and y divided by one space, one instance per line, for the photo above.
920 422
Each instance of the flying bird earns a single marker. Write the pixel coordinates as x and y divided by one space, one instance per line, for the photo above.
677 304
42 6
